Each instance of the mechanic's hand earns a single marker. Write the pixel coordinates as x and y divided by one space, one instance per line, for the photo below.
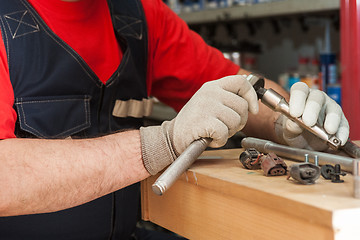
313 106
217 110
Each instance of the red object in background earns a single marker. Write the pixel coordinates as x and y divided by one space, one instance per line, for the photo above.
350 64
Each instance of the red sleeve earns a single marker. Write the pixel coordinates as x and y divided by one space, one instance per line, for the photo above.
179 60
7 112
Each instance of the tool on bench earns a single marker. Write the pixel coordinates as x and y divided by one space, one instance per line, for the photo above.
266 146
270 98
304 173
356 177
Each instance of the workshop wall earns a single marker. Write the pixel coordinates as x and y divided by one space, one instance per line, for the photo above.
268 43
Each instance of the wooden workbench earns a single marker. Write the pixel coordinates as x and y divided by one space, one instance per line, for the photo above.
219 199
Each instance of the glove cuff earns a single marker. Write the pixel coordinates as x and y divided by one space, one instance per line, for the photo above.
156 147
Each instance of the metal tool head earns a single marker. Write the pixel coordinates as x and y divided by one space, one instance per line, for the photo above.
257 81
334 143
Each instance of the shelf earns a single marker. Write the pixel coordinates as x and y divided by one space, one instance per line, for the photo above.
278 8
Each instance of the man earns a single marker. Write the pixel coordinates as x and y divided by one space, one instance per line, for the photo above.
77 74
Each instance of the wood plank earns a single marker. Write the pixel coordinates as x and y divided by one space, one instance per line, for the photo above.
199 213
145 199
219 199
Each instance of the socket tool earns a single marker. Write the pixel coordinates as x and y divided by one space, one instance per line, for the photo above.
192 152
276 102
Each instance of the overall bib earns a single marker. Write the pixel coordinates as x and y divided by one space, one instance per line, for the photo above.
57 95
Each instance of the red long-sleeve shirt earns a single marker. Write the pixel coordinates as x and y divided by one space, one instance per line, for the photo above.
175 52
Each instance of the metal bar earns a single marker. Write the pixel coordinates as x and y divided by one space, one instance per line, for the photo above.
180 165
352 149
266 146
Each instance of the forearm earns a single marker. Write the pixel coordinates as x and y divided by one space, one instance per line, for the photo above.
38 176
262 125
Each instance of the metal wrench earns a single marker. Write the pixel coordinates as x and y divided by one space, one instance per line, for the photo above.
276 102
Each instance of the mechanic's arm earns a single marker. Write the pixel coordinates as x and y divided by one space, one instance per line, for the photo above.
38 176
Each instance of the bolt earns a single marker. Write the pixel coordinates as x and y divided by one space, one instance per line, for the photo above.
336 141
335 177
316 160
306 157
356 177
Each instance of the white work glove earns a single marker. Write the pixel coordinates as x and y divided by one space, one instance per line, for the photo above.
314 106
217 110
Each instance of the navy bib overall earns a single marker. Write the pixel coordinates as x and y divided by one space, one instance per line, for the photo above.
57 95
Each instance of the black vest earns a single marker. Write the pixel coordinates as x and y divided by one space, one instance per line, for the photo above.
57 95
